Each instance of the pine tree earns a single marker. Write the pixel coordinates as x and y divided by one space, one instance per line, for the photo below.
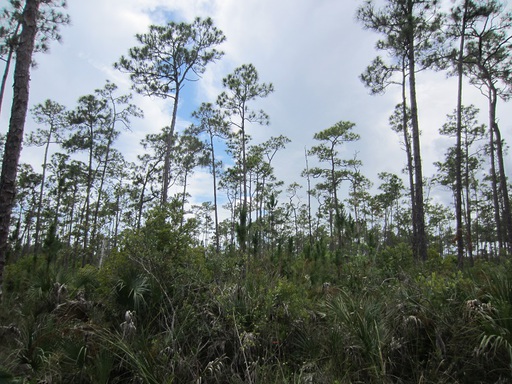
169 57
24 52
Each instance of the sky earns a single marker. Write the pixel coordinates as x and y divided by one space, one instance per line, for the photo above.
313 52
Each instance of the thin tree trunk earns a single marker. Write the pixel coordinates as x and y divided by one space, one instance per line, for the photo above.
94 230
102 178
477 221
56 218
458 148
41 192
408 150
7 68
104 170
72 215
141 201
310 228
216 213
503 188
87 209
243 214
168 149
421 245
494 178
118 213
337 217
184 197
469 235
16 124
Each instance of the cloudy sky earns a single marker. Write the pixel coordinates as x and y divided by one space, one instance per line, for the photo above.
313 51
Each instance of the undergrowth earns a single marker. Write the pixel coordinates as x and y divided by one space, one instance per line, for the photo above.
156 315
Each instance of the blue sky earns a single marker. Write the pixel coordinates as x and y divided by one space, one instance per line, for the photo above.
313 51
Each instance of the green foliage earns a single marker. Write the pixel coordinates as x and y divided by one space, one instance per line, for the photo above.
358 337
394 260
163 310
331 297
171 54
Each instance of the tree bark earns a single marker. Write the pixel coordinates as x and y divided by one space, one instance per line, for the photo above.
310 227
337 217
243 213
168 148
37 241
503 188
458 149
469 204
420 250
214 174
494 177
408 151
7 68
87 208
17 123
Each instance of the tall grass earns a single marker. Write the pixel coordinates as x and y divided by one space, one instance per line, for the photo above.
197 321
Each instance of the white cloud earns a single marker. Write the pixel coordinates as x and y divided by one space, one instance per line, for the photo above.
312 51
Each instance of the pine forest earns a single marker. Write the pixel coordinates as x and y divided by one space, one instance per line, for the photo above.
114 270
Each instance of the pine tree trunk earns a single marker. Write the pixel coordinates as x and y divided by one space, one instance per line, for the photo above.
71 215
408 151
37 241
168 149
140 203
106 163
503 188
17 123
494 177
469 204
421 244
310 226
243 213
337 214
458 149
215 207
7 68
87 209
